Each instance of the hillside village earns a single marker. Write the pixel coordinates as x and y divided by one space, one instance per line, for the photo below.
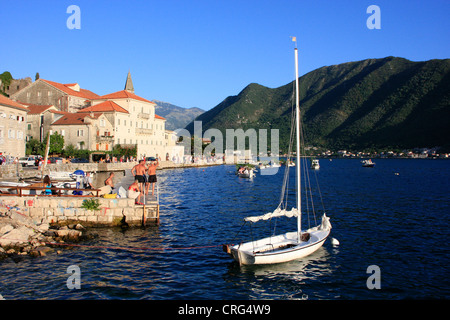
86 120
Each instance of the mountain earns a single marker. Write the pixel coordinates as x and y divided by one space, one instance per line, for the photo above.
177 117
374 103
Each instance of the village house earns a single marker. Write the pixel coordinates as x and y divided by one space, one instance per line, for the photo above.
12 127
65 97
137 124
97 123
85 130
39 120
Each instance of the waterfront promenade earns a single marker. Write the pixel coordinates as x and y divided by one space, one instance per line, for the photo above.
15 172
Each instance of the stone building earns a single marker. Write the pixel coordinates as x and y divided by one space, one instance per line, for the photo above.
85 130
65 97
15 85
39 120
137 124
12 127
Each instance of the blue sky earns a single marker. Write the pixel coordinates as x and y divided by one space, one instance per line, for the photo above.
195 53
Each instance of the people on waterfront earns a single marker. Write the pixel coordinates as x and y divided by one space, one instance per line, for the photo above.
87 181
47 185
134 192
138 172
152 176
110 181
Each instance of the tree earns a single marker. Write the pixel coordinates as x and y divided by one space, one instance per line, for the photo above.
5 80
36 147
56 143
37 76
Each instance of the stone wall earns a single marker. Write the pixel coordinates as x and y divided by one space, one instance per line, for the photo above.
68 210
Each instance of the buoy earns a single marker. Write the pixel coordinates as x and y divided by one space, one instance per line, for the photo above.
334 242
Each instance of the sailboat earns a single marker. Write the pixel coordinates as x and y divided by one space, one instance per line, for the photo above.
291 245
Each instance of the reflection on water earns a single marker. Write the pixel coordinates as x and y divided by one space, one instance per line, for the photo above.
374 214
286 279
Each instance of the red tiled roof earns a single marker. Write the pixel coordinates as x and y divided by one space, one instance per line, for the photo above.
106 106
83 93
11 103
36 109
123 94
75 118
159 117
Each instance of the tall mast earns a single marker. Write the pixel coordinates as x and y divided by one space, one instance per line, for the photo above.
298 169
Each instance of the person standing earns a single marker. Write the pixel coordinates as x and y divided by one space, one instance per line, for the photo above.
152 175
138 172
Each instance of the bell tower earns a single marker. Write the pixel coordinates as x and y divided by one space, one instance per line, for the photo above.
129 83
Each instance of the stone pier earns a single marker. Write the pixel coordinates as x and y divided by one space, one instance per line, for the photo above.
68 210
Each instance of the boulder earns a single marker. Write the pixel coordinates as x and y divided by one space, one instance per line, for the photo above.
5 229
15 236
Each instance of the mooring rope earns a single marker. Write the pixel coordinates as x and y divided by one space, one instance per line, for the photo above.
128 248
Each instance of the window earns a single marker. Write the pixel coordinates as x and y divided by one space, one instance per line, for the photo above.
102 122
63 132
29 126
38 93
80 133
118 122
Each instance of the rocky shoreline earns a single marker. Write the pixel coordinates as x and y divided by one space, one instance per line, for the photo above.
21 235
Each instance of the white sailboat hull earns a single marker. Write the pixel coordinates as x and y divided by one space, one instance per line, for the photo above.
278 249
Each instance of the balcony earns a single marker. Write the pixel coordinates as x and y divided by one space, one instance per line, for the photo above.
144 131
143 115
105 138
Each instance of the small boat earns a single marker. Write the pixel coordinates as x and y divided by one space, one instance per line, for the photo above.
245 172
315 164
291 245
368 163
9 187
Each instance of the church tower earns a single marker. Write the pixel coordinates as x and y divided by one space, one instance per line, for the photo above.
129 83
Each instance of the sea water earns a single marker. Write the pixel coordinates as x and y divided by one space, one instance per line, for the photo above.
394 216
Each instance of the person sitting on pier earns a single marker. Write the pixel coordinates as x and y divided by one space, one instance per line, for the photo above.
47 185
135 193
110 182
87 181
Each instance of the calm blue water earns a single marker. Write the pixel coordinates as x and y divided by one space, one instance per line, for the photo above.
398 222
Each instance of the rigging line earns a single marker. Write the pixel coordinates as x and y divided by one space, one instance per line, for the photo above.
308 189
320 193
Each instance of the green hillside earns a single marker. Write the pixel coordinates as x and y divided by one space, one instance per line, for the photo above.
375 103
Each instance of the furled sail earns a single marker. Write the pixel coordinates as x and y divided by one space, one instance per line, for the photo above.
277 213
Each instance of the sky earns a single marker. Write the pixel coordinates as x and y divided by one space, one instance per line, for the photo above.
195 53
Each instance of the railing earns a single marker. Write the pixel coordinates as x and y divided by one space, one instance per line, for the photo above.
58 192
143 131
144 115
